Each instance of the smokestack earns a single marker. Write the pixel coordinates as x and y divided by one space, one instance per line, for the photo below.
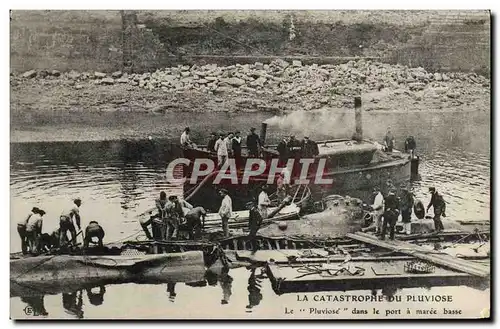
263 131
358 136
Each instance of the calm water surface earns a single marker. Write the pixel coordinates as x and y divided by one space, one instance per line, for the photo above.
118 179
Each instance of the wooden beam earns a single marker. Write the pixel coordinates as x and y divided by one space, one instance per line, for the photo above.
421 253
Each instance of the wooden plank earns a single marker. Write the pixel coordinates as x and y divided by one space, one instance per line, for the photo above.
418 252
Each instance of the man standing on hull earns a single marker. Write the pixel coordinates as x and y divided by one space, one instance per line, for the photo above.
439 205
391 214
254 222
66 222
21 229
406 206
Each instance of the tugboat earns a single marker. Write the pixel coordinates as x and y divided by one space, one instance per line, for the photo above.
343 166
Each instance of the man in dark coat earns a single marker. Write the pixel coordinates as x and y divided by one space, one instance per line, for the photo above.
283 150
211 142
236 145
254 222
439 205
309 148
390 215
253 144
406 206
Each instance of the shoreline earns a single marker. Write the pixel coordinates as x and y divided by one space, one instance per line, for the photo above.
88 102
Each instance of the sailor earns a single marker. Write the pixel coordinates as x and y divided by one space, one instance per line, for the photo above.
236 145
66 222
308 148
389 140
221 149
263 202
185 139
391 214
93 230
34 230
253 144
229 143
378 209
437 201
406 205
283 150
21 229
254 222
225 211
211 142
195 219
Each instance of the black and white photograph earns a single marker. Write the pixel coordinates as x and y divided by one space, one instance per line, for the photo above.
250 164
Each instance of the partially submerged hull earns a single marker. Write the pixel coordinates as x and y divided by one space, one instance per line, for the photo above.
58 272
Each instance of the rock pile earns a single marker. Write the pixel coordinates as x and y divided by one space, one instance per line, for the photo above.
309 86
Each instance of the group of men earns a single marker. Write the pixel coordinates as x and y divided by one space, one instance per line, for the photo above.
172 216
229 145
290 147
33 241
386 210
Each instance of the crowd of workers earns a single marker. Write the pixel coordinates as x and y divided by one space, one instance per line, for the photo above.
229 145
387 210
33 241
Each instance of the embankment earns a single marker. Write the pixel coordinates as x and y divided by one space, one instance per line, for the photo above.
137 41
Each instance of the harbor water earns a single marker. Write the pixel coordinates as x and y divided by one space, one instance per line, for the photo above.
119 176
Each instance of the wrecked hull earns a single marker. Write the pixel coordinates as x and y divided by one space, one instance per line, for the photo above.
58 273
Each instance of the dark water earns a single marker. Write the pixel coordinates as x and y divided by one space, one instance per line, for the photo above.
119 179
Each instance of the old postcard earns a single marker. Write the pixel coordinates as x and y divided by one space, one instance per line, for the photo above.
250 164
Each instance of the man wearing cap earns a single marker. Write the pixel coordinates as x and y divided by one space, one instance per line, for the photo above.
253 144
225 211
437 201
391 214
378 209
283 150
254 222
211 142
309 148
21 229
185 139
34 230
66 222
406 206
264 203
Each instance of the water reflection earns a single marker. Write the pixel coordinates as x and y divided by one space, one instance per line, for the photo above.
171 291
36 303
225 281
72 303
254 289
96 298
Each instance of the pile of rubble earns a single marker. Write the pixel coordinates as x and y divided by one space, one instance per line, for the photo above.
312 86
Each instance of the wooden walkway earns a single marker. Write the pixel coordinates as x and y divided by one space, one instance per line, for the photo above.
421 253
